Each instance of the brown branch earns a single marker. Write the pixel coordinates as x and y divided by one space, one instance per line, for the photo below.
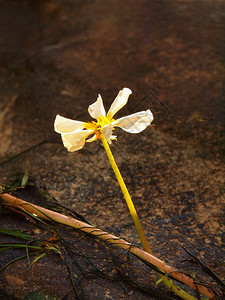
11 201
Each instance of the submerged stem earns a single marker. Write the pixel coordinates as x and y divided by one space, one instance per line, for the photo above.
21 205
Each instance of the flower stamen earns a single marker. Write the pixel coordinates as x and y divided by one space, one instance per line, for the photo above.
97 126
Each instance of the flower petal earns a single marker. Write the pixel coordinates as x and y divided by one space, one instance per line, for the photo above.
64 125
75 141
107 131
119 102
135 123
92 139
97 109
112 138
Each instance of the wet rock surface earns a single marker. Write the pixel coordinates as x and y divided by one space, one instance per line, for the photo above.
55 57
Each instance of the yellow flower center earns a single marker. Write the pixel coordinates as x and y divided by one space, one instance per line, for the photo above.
97 126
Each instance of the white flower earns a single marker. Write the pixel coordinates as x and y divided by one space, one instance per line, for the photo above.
75 133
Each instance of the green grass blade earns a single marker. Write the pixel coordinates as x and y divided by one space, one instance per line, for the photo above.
16 259
16 233
17 246
24 180
39 257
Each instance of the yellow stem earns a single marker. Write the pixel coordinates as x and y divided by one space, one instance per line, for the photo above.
127 197
137 222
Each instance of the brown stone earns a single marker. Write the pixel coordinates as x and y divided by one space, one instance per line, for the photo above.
55 57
